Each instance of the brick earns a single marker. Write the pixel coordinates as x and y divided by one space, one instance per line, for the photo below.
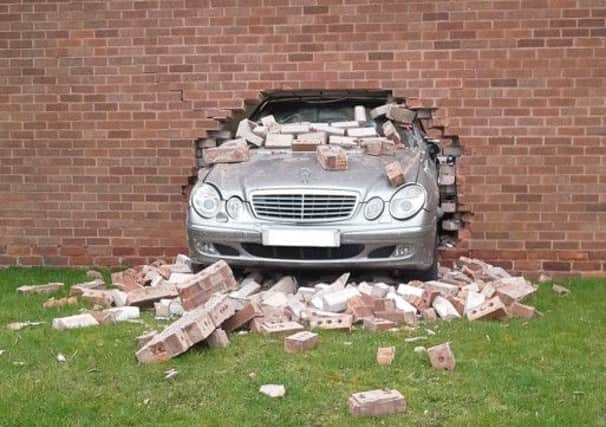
245 131
146 297
376 403
194 327
217 277
514 289
346 124
77 321
560 290
374 324
327 129
295 128
125 281
400 114
359 309
279 140
220 308
379 111
429 315
444 308
234 151
441 357
145 338
395 174
390 132
40 289
332 158
365 132
309 141
280 328
385 355
525 311
301 341
396 316
100 297
270 123
242 317
445 289
339 322
218 339
346 142
360 114
493 309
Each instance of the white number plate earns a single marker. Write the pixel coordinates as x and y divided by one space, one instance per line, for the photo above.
301 237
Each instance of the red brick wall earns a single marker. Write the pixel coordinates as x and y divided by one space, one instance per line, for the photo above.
100 102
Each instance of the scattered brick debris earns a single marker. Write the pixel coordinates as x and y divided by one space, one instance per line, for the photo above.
441 357
301 341
560 290
331 157
385 355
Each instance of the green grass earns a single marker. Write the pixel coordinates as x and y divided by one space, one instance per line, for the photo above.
549 371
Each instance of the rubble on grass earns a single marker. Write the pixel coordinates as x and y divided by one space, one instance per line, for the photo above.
374 403
273 390
40 289
17 326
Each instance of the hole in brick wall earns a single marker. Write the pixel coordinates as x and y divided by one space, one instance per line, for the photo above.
434 128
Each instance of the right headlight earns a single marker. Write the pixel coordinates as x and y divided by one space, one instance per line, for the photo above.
206 201
407 202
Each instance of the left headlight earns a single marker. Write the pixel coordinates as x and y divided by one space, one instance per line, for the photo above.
407 202
374 208
206 201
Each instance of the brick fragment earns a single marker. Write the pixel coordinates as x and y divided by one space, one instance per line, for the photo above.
279 140
560 290
52 302
77 290
270 123
77 321
242 317
399 114
376 403
218 339
361 132
245 131
146 297
40 289
395 174
301 341
493 309
374 324
280 327
345 124
125 280
295 128
217 277
359 308
100 297
385 355
329 130
339 322
445 309
331 158
514 289
220 308
441 357
429 315
390 132
145 338
525 311
346 142
234 151
379 111
360 114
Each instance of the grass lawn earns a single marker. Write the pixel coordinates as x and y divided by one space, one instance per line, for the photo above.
549 371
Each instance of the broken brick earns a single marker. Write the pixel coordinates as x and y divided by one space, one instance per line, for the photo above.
560 290
360 114
242 317
280 327
245 131
217 277
40 289
525 311
375 403
77 321
441 357
338 321
429 315
145 297
100 297
385 355
331 157
514 289
343 141
493 309
301 341
374 324
395 174
400 114
279 140
361 132
218 339
390 132
234 151
358 307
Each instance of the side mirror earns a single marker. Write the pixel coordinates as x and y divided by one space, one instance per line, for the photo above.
433 149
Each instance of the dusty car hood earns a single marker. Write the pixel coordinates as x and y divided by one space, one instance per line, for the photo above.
273 170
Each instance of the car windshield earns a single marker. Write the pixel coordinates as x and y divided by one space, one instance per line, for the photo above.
314 110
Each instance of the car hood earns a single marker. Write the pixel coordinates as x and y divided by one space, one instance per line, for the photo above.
268 170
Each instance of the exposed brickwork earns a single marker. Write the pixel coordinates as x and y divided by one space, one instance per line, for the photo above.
100 102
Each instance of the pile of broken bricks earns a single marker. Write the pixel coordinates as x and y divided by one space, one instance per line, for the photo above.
379 136
212 303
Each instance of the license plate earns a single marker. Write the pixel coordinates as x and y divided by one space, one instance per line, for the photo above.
301 237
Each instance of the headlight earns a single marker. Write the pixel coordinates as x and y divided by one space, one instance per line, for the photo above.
374 208
234 207
407 202
206 201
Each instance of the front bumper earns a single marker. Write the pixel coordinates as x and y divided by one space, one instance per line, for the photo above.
364 248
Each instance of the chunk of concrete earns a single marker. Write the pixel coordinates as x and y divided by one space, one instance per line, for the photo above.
274 391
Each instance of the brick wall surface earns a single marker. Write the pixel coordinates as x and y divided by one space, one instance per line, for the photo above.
100 102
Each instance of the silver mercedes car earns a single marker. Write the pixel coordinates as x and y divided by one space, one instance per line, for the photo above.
280 208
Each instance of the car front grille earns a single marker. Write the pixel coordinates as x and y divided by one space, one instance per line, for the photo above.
302 253
304 206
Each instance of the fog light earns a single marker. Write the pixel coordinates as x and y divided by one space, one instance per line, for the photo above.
206 248
402 251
